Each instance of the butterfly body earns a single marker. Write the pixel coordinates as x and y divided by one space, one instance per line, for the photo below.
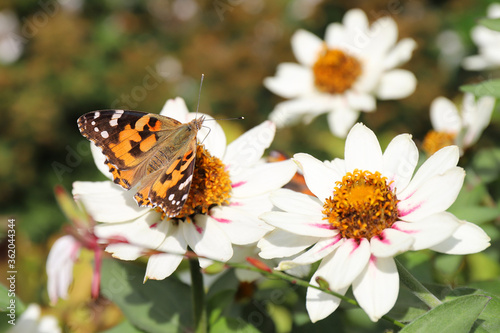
151 153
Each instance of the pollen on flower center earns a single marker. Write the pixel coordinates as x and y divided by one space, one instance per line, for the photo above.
434 141
362 205
211 185
335 71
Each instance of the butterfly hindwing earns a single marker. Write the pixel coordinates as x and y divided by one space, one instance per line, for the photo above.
169 189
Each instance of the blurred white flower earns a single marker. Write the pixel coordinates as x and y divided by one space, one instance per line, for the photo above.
32 321
344 74
488 44
452 127
11 41
367 209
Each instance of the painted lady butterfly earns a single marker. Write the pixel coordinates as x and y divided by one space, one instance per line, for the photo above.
152 153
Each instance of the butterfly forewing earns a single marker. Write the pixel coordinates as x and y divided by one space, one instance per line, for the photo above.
154 152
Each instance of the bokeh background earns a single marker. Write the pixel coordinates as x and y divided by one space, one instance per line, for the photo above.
60 59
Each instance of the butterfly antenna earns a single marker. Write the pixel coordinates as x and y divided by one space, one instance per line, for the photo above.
199 95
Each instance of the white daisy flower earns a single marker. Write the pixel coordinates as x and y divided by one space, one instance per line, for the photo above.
488 44
344 74
366 209
222 208
452 127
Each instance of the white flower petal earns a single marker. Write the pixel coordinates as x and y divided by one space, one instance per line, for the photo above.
306 47
248 148
347 262
297 203
319 304
140 232
241 227
320 250
362 150
255 205
320 179
380 38
435 195
161 266
99 160
475 63
377 287
400 54
107 202
340 120
390 243
291 80
175 108
59 267
280 243
355 19
400 159
396 84
429 231
207 239
335 36
124 251
444 116
360 101
291 111
467 238
300 224
442 160
478 117
261 179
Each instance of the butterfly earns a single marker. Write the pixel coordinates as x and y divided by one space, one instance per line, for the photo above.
152 153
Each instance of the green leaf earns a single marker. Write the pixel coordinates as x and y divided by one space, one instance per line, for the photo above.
5 301
493 24
477 214
154 306
232 325
485 88
454 316
488 320
486 164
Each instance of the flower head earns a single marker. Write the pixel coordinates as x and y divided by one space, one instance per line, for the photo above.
366 209
487 41
230 189
344 74
452 127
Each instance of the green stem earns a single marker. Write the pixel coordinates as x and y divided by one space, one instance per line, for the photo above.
198 297
416 287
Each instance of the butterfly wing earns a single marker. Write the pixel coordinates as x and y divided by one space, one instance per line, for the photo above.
128 139
154 152
168 188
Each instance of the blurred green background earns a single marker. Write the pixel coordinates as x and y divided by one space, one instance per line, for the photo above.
76 56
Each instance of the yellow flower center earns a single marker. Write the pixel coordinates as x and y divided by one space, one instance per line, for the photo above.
211 185
434 141
362 205
335 71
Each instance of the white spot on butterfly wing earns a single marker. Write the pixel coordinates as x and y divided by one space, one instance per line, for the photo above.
97 114
104 134
186 183
171 197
